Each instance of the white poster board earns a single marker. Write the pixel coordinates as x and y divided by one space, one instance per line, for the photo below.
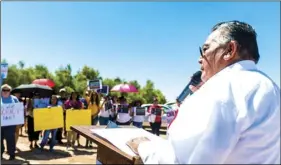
12 114
4 70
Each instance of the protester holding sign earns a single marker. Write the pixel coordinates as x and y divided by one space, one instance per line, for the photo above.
113 114
105 111
138 114
123 113
72 103
94 105
8 132
156 112
33 136
53 103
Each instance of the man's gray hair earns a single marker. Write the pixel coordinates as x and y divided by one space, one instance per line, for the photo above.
241 32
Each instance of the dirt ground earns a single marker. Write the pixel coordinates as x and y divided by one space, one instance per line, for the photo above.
59 156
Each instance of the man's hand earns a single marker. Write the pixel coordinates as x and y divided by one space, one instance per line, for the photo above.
134 143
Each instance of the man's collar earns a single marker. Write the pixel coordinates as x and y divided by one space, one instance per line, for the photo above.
243 65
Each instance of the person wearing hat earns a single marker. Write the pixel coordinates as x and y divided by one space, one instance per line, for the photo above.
8 132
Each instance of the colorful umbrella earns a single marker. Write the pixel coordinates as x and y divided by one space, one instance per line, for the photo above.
125 88
45 82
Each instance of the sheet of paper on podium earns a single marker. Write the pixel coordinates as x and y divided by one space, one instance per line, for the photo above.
128 134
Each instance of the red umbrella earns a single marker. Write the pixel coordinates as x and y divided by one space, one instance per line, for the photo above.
126 88
45 82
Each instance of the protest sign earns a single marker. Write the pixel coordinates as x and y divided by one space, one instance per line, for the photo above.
77 117
48 118
12 114
104 90
4 70
123 109
108 106
156 111
95 84
140 111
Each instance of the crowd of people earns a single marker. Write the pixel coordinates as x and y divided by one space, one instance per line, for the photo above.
104 108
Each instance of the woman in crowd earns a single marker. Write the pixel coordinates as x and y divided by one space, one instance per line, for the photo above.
73 103
53 103
8 132
123 117
94 105
113 114
156 124
105 111
33 136
137 119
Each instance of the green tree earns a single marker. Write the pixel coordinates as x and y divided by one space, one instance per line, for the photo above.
63 78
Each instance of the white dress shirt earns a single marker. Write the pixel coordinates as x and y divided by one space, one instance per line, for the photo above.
234 118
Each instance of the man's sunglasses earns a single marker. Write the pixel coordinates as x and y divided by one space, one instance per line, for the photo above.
200 50
6 90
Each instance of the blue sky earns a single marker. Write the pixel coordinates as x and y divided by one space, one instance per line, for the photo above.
132 40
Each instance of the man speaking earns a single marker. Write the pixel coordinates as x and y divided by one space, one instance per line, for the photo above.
234 118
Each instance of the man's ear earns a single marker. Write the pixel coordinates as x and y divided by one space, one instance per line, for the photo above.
232 50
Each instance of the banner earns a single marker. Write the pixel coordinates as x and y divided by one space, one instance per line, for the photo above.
77 117
4 70
12 114
48 118
95 84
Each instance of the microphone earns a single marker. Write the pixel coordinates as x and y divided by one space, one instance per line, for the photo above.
195 80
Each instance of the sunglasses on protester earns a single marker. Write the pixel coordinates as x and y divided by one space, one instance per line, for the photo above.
6 90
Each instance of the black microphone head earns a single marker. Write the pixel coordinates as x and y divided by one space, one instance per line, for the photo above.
196 78
197 74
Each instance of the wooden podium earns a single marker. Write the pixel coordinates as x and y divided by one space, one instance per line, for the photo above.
106 152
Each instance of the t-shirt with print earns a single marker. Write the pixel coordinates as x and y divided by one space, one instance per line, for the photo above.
158 117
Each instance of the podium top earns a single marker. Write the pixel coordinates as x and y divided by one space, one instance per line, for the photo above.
86 132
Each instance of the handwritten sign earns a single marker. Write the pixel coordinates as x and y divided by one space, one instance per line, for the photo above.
104 90
48 118
77 117
12 114
156 111
140 111
123 109
95 84
4 70
41 103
